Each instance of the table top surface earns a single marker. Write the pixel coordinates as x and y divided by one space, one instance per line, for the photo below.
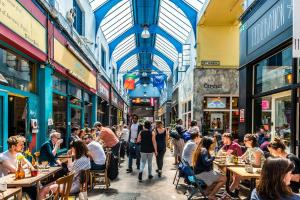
228 164
241 171
28 180
10 191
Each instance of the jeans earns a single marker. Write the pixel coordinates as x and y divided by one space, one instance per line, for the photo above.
136 148
115 149
146 157
95 166
160 159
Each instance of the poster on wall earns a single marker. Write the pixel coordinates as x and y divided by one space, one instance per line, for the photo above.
216 102
216 121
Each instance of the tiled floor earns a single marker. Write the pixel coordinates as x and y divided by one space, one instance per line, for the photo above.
127 186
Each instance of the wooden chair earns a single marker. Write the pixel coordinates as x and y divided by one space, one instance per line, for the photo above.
84 181
64 187
97 175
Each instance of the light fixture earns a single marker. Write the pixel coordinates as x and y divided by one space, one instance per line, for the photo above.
145 84
144 74
145 94
145 34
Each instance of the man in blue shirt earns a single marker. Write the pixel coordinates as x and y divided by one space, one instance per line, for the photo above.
49 149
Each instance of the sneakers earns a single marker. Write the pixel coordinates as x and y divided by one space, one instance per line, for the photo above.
128 170
150 177
159 174
140 176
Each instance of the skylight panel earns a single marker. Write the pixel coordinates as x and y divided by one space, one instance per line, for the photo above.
129 64
195 4
174 21
160 64
118 20
96 3
165 47
124 47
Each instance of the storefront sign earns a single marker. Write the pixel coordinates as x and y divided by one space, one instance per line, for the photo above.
114 98
103 89
18 19
242 115
76 68
270 24
265 105
120 103
296 30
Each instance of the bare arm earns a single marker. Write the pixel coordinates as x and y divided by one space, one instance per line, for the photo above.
154 143
8 166
139 138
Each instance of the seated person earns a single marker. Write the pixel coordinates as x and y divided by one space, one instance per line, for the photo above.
277 148
230 147
253 155
202 163
9 164
190 146
96 152
49 149
274 181
81 162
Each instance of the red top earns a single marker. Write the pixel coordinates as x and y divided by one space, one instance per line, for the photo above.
108 137
234 149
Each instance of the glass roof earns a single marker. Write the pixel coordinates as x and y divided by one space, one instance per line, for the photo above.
174 21
118 20
166 47
196 4
129 64
124 47
160 64
97 3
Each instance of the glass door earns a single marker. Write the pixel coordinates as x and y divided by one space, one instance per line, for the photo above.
3 121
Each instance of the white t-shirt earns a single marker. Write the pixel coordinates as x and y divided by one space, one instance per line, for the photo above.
125 134
10 159
134 132
97 152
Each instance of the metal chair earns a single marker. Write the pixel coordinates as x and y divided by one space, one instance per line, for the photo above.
64 187
177 174
97 175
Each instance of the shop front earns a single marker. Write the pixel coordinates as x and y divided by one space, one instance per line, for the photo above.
215 101
120 111
74 101
114 107
267 74
22 53
103 101
175 107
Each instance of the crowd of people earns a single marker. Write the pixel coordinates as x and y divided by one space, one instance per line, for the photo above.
141 142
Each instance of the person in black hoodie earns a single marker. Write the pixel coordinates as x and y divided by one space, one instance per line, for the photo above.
134 148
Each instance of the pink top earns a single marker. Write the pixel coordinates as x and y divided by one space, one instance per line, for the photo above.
234 148
108 137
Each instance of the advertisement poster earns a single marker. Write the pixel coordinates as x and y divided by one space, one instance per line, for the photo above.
216 121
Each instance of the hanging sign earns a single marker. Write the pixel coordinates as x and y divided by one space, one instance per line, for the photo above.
296 29
242 115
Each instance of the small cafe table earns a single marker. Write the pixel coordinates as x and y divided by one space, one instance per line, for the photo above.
241 171
12 192
29 181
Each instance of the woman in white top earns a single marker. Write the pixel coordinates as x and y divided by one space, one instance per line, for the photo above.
81 162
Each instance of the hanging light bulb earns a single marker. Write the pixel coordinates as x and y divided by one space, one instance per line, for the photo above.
145 34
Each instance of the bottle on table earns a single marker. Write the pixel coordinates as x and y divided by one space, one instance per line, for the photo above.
20 173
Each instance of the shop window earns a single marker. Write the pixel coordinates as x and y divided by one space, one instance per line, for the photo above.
16 71
235 103
76 117
103 58
60 117
76 95
273 114
216 102
59 84
274 72
216 121
87 110
79 17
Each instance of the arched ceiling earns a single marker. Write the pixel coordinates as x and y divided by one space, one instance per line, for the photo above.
170 23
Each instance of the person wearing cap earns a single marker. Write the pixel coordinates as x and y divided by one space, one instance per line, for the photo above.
49 149
108 137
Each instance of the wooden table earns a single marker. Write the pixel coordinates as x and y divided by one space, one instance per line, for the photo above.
29 181
222 166
64 158
240 171
12 192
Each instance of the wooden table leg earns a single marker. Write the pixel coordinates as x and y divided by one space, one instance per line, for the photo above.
38 185
227 180
19 195
252 186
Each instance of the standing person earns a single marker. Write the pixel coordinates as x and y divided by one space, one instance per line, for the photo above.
49 149
96 152
81 162
202 163
124 137
161 141
148 145
178 143
134 149
108 137
274 181
277 148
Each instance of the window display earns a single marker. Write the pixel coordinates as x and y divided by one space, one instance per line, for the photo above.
60 117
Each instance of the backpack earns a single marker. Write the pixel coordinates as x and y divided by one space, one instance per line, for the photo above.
113 169
174 134
186 136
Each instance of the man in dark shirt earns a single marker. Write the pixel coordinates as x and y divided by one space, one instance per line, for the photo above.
49 149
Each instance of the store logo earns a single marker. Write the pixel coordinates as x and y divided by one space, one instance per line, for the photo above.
214 86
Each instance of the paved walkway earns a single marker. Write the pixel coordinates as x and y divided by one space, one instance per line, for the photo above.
127 186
